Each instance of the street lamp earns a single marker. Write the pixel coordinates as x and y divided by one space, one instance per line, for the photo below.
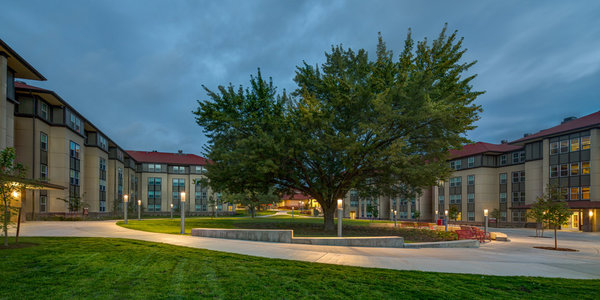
485 216
395 218
436 216
301 206
125 199
139 209
446 219
182 212
339 206
171 210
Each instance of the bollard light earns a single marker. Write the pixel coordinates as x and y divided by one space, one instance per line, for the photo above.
446 219
340 211
395 218
171 210
485 212
139 209
182 206
125 200
485 216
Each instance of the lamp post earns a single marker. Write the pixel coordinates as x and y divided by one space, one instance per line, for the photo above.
446 219
139 210
171 210
340 211
301 206
485 216
292 212
391 213
125 200
395 218
182 205
436 216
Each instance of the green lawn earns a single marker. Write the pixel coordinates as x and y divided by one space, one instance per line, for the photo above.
66 268
302 226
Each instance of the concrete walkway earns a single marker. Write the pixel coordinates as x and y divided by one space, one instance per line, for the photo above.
497 258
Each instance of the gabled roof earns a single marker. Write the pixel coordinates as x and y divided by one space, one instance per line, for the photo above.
590 120
481 147
167 158
21 67
25 86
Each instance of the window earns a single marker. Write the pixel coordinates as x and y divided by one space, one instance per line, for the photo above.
585 143
74 150
585 167
564 170
75 123
471 180
471 162
43 172
564 192
470 198
179 169
553 148
202 196
502 178
455 182
585 193
564 146
455 164
154 168
574 169
43 141
154 193
503 159
44 110
518 197
200 169
522 156
502 197
43 203
574 193
519 216
178 187
455 199
354 198
471 216
515 158
522 174
102 142
515 177
575 144
503 216
553 171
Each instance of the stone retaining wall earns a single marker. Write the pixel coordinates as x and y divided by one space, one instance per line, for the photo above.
263 235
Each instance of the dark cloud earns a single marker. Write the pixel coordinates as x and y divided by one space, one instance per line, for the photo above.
135 68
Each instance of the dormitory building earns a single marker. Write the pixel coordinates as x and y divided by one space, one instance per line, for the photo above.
76 159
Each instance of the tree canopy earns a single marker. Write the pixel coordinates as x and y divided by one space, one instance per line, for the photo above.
352 123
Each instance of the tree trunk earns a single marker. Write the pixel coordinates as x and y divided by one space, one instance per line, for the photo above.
328 215
252 211
6 216
555 240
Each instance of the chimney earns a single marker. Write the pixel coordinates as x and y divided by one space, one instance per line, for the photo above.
567 119
503 142
180 151
526 134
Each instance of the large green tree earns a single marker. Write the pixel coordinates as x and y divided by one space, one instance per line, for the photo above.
352 123
12 176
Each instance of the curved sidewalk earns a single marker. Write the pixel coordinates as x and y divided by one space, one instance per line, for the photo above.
497 258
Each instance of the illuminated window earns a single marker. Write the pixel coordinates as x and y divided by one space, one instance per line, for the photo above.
585 143
564 170
585 193
574 191
585 168
575 144
553 171
574 169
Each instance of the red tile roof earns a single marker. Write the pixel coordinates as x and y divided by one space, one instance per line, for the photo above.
23 85
167 158
585 121
296 196
481 147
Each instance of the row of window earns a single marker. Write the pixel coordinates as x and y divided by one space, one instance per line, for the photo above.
572 169
576 193
572 145
455 199
517 157
455 181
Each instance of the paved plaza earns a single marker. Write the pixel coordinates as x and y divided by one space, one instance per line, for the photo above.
517 257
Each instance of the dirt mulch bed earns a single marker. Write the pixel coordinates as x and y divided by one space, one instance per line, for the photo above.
17 246
557 249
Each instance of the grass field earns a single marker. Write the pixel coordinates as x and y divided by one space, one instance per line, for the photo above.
302 226
66 268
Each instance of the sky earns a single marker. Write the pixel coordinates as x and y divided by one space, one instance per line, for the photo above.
135 69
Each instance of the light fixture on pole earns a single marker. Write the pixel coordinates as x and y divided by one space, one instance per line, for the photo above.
292 212
125 200
171 210
436 215
182 206
446 219
340 211
485 216
395 218
139 209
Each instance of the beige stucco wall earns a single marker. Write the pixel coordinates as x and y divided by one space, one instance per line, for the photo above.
595 165
91 174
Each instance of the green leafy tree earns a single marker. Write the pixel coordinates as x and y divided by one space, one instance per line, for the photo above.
352 123
496 215
417 214
453 213
12 176
251 200
373 210
557 210
75 203
538 213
